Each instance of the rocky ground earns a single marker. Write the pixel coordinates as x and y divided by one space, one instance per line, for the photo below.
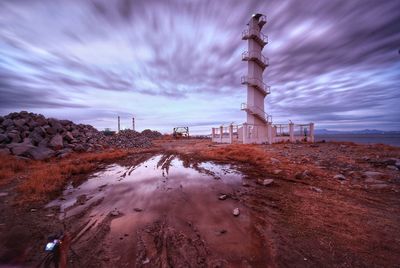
302 205
33 136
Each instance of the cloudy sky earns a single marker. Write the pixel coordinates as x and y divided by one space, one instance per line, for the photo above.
178 62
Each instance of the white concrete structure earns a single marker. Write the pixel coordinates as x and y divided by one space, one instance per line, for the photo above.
257 90
258 127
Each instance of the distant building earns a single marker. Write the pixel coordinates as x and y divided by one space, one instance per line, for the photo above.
258 127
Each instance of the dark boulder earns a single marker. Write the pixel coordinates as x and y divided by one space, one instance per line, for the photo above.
41 153
57 142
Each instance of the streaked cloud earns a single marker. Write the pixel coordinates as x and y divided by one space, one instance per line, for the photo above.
172 63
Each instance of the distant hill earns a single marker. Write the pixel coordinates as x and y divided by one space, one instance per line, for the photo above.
365 131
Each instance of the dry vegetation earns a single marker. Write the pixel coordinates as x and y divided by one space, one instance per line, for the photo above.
41 180
259 158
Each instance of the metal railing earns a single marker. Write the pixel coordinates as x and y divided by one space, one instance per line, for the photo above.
255 33
256 83
282 130
257 56
257 111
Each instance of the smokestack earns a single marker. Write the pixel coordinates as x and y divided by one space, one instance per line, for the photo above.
119 124
133 123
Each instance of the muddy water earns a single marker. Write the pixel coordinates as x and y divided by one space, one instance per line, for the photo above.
165 210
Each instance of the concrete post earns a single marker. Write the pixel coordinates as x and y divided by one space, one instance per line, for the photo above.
291 132
245 134
269 133
231 134
212 134
221 130
312 132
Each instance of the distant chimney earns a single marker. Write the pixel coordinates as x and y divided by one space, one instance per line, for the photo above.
119 124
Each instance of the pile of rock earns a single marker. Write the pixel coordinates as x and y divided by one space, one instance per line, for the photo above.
151 134
133 139
34 136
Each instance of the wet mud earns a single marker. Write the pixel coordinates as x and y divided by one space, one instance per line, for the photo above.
162 212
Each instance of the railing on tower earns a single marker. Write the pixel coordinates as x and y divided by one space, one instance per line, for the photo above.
257 111
256 83
256 56
255 33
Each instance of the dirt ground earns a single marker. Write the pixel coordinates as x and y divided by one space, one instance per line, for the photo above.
329 205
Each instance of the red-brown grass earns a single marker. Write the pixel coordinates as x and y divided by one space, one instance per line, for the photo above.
41 180
259 158
10 167
250 154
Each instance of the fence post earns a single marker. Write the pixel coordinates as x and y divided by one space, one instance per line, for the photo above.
221 129
245 133
231 133
291 132
312 132
212 134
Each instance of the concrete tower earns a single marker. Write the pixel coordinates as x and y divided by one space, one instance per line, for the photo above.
257 90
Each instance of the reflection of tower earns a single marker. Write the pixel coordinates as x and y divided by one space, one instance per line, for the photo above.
256 64
133 123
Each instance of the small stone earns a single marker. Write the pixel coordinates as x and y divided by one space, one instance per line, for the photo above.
33 209
265 182
339 177
146 261
221 232
392 168
3 194
115 213
379 186
302 175
316 189
80 200
138 209
236 212
222 197
397 163
277 171
245 184
373 174
274 160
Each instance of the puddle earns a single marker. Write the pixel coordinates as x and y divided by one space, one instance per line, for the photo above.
163 187
126 187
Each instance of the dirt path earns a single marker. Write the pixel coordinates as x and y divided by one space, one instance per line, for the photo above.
164 209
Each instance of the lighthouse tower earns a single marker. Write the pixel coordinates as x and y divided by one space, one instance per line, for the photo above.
258 128
257 90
